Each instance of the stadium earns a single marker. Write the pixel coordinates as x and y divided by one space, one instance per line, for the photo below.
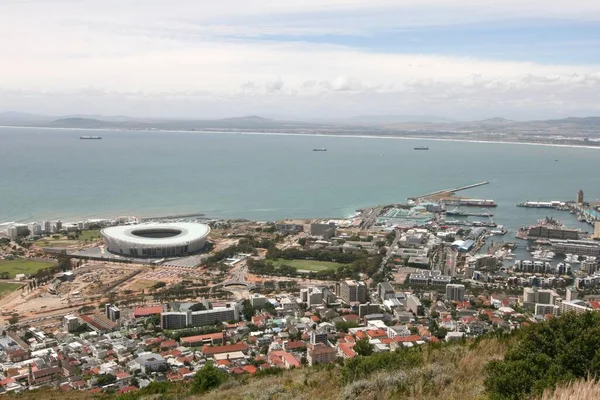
157 240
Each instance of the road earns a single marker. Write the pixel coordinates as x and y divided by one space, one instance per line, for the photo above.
389 252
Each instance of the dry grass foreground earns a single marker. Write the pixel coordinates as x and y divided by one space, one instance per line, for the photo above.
580 390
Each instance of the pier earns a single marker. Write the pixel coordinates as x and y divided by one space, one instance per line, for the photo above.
450 191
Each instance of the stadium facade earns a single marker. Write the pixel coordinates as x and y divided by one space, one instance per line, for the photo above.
157 240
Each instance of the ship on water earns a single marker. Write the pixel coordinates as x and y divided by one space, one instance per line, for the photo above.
421 148
320 149
90 137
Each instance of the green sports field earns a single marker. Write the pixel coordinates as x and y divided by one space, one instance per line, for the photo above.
308 265
26 267
6 288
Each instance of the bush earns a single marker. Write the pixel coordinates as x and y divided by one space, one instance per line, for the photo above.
207 378
546 354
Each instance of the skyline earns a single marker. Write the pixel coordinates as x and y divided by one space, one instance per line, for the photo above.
302 60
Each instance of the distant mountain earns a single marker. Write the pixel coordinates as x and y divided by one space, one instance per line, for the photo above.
250 119
395 119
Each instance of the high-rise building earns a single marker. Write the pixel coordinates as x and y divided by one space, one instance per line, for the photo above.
597 230
257 300
327 231
70 323
112 312
531 296
318 337
414 305
386 291
353 291
580 197
46 227
455 292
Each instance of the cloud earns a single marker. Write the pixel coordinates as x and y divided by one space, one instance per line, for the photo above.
215 55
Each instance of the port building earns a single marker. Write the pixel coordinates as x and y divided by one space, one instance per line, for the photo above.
156 240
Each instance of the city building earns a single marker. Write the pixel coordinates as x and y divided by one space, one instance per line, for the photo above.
289 228
580 197
318 337
414 305
386 291
455 292
258 300
16 230
576 306
320 354
112 312
353 291
179 320
596 230
532 296
544 309
151 362
156 240
580 247
326 231
70 323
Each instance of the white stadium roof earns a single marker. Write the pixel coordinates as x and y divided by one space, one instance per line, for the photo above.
141 234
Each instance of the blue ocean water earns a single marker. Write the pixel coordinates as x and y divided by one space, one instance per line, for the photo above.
51 173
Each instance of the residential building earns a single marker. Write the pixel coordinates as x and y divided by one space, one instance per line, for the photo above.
151 362
386 291
112 312
544 309
258 300
455 292
532 296
576 306
414 305
289 228
318 337
327 231
70 323
179 320
353 291
320 354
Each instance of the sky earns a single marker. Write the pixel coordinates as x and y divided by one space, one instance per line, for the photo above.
301 59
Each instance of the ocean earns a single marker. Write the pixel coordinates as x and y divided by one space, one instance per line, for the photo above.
52 174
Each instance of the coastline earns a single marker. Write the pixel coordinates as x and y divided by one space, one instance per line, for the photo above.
332 135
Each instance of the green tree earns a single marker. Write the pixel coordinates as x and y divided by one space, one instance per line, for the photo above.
207 378
542 355
363 348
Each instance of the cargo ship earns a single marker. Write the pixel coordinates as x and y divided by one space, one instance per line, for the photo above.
421 148
90 137
321 149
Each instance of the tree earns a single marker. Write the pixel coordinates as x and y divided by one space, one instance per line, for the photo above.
544 354
363 348
207 378
13 319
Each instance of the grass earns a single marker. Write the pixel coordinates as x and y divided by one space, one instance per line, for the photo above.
27 267
92 234
308 265
6 287
89 235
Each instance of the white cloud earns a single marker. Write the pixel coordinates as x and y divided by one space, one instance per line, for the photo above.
115 53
